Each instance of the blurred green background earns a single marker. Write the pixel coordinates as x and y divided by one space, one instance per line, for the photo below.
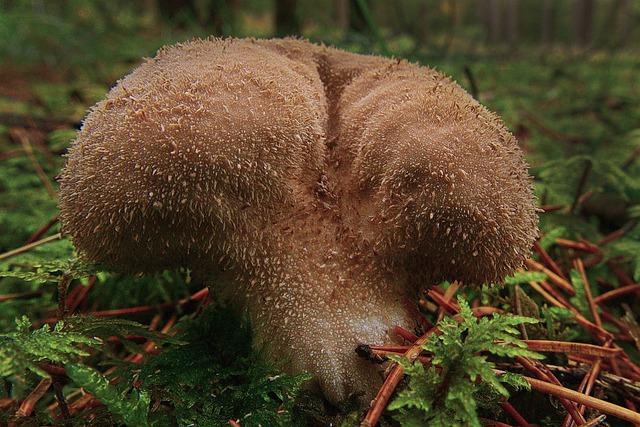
61 34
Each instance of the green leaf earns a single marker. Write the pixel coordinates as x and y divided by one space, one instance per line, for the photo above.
131 406
580 299
51 271
215 376
104 327
24 349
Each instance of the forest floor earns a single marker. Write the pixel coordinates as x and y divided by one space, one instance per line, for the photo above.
153 350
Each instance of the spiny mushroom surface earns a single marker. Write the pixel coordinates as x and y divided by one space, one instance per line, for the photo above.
318 189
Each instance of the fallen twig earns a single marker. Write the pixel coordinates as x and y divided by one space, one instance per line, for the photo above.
379 403
43 230
591 402
28 247
27 406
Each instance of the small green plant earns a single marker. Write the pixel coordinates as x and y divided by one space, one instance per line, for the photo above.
216 376
23 349
206 376
125 403
447 392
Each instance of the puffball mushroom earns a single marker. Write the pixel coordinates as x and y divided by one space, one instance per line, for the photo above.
319 189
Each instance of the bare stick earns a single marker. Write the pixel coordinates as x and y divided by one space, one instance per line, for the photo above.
28 247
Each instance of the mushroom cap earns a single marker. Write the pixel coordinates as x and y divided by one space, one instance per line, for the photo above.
219 135
200 140
443 184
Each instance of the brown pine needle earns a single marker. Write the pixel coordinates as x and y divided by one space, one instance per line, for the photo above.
26 408
513 412
591 402
546 295
553 277
22 137
551 208
617 293
545 374
405 334
565 347
379 403
544 256
43 230
20 295
443 302
556 293
572 348
446 299
594 329
583 246
81 295
620 274
485 311
587 290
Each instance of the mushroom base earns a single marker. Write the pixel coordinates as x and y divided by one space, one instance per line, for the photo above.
311 304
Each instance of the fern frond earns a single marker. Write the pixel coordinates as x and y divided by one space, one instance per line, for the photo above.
24 348
446 393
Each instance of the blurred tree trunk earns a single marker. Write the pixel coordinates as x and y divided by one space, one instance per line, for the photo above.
481 16
172 9
512 21
414 23
357 18
221 15
582 21
423 24
616 27
547 21
342 14
218 16
150 8
494 29
608 32
455 11
286 17
624 23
